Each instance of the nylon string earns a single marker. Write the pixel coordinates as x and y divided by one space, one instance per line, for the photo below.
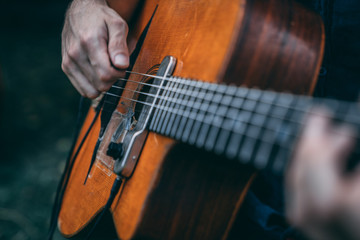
186 111
186 82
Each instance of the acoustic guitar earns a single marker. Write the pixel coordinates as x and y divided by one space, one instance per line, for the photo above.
183 152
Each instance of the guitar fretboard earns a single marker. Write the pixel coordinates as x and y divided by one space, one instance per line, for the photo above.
253 126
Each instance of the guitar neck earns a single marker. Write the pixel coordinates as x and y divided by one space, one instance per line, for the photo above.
253 126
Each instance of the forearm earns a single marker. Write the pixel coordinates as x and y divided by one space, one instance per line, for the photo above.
125 8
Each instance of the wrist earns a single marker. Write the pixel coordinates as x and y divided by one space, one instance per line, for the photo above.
81 5
125 8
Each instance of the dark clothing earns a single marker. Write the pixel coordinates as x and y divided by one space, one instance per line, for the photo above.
262 214
340 78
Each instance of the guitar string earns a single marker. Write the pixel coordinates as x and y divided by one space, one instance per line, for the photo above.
187 113
276 131
194 93
173 79
192 103
232 129
193 84
244 133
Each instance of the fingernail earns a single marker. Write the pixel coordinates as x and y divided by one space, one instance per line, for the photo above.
121 60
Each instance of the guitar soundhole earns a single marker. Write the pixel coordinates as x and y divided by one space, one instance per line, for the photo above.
144 92
142 97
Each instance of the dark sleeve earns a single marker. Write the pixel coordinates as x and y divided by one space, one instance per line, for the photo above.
340 73
308 3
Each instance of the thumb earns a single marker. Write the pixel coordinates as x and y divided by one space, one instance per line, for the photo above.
118 50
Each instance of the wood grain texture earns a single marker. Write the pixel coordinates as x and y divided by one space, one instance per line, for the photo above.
191 32
177 191
194 197
279 46
82 202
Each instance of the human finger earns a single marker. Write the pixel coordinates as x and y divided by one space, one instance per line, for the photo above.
310 142
78 79
99 62
342 144
117 45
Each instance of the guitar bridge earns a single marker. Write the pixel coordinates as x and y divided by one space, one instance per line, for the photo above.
127 150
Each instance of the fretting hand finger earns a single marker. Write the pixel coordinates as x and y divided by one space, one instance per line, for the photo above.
315 183
79 81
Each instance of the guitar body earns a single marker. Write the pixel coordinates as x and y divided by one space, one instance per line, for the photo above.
178 191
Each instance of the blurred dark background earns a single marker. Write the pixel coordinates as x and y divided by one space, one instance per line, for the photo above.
37 115
38 105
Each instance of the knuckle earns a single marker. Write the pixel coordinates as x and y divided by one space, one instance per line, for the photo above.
87 39
118 43
125 27
74 52
104 87
120 24
83 94
105 77
65 65
91 94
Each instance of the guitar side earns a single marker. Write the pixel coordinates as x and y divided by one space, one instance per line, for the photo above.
177 191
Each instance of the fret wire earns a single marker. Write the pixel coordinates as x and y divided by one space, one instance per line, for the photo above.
222 115
270 129
167 109
173 114
189 103
208 117
278 163
199 118
214 131
246 152
225 116
190 122
203 114
158 116
302 98
171 78
169 120
184 117
224 136
189 81
222 128
186 110
155 113
155 101
156 86
234 141
286 147
282 147
259 158
177 119
280 131
163 119
198 137
253 89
